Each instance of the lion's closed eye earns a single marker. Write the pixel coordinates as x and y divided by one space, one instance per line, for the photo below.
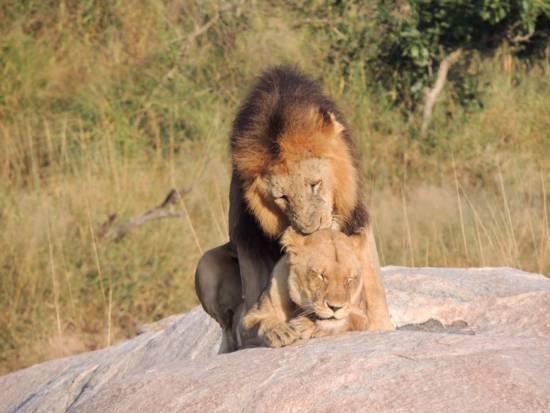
315 186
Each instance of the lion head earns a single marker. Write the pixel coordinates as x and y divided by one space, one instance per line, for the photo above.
325 274
305 178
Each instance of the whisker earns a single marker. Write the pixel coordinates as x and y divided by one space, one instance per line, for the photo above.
306 310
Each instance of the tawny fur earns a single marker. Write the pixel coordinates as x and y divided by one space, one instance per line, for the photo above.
319 271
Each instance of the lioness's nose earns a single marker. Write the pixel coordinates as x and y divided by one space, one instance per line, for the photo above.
334 307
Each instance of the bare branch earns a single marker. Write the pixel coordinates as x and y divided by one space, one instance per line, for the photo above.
197 33
433 94
120 231
158 212
521 38
181 52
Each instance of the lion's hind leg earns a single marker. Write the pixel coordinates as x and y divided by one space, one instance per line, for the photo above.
218 286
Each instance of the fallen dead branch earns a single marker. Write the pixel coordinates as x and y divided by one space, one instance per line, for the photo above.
158 212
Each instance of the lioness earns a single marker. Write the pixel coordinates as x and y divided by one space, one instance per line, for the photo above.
315 290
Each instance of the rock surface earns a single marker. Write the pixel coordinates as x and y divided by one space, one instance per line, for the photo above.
495 357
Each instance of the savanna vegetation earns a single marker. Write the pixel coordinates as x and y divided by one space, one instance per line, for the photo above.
105 106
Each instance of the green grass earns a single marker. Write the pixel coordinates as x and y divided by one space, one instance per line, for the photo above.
91 125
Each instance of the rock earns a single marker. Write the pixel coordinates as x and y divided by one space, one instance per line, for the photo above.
499 360
435 326
351 372
160 325
59 384
493 301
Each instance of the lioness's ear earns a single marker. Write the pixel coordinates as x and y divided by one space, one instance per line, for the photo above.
360 239
292 241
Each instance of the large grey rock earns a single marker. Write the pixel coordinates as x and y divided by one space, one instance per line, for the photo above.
59 384
352 372
499 362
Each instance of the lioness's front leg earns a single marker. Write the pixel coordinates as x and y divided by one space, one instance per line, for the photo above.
304 326
268 326
280 335
377 307
268 318
357 320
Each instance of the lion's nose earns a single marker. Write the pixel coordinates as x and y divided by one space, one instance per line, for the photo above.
334 307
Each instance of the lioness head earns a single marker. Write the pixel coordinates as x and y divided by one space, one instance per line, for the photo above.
325 274
304 178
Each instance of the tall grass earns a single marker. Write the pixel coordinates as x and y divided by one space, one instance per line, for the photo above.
91 125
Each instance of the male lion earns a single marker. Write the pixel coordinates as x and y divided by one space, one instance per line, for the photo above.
295 164
314 291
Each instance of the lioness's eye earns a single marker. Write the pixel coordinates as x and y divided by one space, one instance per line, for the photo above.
284 198
352 278
318 275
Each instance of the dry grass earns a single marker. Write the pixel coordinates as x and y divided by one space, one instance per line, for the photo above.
89 128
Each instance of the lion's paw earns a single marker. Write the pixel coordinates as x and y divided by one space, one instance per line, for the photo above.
281 335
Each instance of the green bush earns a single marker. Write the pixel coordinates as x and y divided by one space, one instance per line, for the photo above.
402 43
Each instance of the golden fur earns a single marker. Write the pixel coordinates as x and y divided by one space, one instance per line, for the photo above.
315 290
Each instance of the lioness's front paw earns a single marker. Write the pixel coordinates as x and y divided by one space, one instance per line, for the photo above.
281 335
304 326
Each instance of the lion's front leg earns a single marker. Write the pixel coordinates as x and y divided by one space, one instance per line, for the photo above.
377 308
254 277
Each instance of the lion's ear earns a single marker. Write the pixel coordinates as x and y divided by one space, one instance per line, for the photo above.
329 122
292 241
338 127
360 239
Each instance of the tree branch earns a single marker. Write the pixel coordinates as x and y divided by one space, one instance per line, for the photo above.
158 212
197 33
433 94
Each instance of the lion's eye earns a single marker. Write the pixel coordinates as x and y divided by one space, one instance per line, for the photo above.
315 186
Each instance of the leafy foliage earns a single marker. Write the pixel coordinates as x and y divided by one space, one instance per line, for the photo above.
402 43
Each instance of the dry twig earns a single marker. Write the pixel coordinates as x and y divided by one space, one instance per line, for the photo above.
158 212
189 41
